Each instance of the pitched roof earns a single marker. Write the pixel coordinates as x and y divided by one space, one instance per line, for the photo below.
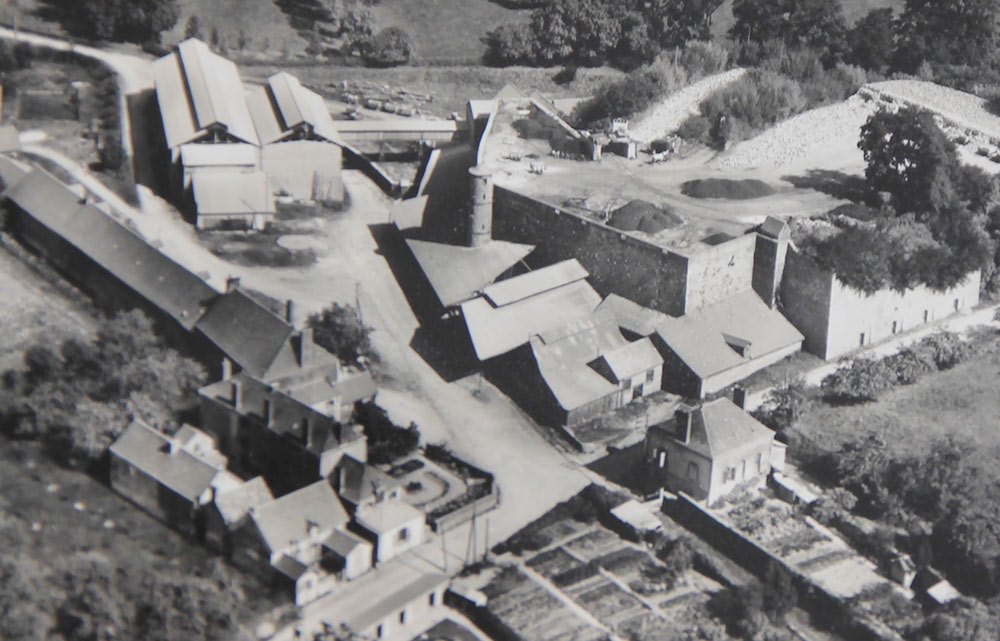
708 338
284 106
156 455
358 480
286 520
535 282
459 273
631 359
231 192
347 390
234 504
386 516
497 330
719 427
773 227
197 89
161 281
510 91
290 567
368 601
563 355
245 331
343 543
288 415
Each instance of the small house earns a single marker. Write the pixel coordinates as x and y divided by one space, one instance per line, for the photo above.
394 526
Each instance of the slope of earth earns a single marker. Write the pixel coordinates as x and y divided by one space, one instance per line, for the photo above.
243 26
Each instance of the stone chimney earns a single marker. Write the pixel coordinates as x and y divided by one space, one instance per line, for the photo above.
227 368
683 416
740 396
290 311
480 206
773 238
235 394
232 283
268 412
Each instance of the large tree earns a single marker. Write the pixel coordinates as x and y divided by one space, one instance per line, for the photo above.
818 24
129 20
871 41
960 32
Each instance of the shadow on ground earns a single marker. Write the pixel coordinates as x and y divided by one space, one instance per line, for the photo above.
446 347
626 468
833 183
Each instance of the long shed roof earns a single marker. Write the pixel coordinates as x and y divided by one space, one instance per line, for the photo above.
245 331
535 282
165 284
459 273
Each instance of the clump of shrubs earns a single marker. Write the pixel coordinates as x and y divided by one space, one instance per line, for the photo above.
865 379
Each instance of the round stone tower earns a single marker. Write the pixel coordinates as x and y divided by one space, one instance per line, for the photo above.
481 206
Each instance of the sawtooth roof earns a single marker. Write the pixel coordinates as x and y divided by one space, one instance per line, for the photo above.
156 455
719 427
286 520
156 278
245 331
457 273
284 107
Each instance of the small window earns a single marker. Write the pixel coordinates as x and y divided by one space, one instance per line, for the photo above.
662 456
402 616
432 599
650 375
895 326
927 315
693 471
378 631
403 535
861 340
760 462
956 304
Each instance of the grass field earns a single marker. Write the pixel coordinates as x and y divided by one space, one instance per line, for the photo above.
262 27
446 29
961 401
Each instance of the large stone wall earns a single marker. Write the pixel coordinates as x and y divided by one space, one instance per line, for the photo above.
837 319
718 272
640 271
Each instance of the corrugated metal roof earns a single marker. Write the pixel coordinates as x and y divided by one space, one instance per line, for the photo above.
719 427
173 467
231 192
632 359
287 519
216 155
497 330
460 273
153 276
245 331
521 287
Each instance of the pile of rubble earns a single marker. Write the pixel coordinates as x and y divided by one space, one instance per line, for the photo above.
668 115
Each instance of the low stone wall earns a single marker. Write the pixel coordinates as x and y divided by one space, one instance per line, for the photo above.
467 512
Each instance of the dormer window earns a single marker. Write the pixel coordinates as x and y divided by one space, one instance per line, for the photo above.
740 345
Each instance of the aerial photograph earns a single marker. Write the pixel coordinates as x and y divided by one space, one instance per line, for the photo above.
500 320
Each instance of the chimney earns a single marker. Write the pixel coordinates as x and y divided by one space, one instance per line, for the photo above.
227 368
306 435
234 394
232 283
682 421
740 396
306 346
268 412
290 311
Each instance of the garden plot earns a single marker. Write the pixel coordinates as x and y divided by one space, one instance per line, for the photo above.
532 612
426 484
553 563
608 602
594 544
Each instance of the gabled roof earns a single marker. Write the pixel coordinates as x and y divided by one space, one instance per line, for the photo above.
343 543
156 455
290 567
231 192
197 89
460 273
245 331
156 278
386 516
719 427
284 106
516 289
563 364
359 481
237 503
498 330
629 360
347 390
288 519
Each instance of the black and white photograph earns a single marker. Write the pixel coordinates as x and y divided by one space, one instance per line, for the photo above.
499 320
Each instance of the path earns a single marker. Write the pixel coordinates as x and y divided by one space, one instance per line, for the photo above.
668 115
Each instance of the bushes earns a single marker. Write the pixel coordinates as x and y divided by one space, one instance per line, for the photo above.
390 47
865 379
339 330
627 97
387 442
